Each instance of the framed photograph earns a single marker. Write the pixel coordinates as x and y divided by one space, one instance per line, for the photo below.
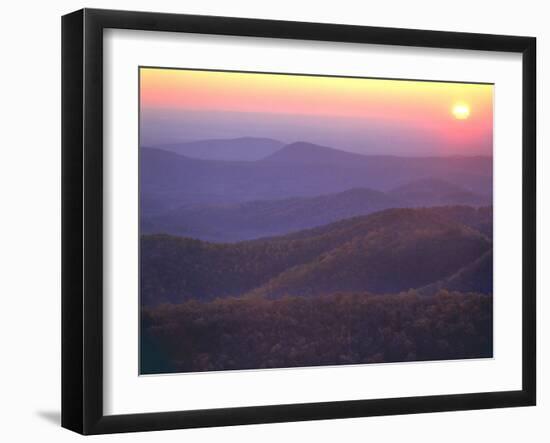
269 221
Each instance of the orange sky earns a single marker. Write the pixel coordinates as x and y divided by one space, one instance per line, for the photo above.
425 106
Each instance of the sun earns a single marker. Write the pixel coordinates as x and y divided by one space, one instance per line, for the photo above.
461 111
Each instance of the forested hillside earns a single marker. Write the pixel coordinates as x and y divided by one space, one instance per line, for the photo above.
256 332
386 252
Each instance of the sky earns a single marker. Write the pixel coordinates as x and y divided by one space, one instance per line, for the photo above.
363 115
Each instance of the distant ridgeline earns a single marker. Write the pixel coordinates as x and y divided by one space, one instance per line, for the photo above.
171 184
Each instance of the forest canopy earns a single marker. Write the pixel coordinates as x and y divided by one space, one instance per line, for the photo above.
291 331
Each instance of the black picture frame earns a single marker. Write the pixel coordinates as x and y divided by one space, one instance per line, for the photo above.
82 217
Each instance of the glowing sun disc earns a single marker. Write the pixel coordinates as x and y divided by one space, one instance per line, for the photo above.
461 111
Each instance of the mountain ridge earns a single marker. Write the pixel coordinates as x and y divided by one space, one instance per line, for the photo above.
233 222
169 181
229 149
263 218
384 252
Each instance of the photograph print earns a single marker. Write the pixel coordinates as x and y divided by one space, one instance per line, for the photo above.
291 220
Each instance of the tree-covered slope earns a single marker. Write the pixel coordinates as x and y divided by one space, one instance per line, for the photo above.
335 329
388 251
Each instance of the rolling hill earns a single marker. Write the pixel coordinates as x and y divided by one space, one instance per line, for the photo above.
235 149
475 277
170 181
385 252
250 220
436 192
309 153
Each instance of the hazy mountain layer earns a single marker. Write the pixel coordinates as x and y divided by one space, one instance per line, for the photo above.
235 149
250 220
169 181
